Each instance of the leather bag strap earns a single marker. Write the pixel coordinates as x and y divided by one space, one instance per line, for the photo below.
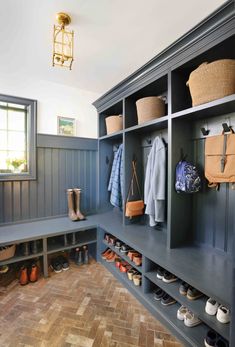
133 177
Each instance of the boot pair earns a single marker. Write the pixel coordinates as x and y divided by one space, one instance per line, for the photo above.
74 197
81 255
29 275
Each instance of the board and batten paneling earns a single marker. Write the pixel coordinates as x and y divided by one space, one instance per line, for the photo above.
62 163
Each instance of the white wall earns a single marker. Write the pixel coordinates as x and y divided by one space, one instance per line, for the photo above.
54 100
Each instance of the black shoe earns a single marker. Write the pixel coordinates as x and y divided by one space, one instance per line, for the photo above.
193 293
183 288
158 294
160 273
169 278
210 338
56 265
167 300
64 262
25 249
78 257
221 343
85 255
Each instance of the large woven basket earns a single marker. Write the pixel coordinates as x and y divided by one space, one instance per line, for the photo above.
212 81
113 124
150 108
7 252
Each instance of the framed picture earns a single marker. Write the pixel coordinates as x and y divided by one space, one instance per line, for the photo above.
66 126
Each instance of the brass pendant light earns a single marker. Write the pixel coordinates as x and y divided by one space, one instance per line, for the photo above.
62 42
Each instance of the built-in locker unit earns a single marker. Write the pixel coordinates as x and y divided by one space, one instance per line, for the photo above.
196 241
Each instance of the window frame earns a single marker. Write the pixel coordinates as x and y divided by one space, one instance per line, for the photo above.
31 135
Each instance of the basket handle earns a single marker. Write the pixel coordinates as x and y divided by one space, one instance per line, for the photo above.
200 66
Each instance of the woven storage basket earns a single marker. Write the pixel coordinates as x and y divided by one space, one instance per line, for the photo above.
150 108
7 252
113 124
212 81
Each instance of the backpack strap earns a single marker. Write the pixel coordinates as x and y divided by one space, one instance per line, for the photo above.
134 177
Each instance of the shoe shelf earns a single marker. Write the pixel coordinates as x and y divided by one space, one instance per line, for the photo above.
194 336
196 306
83 238
122 277
123 256
19 258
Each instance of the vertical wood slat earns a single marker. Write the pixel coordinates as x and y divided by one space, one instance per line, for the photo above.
57 170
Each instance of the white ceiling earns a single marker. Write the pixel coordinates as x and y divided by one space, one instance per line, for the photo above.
112 37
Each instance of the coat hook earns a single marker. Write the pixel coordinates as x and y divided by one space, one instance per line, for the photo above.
149 141
107 160
205 131
226 128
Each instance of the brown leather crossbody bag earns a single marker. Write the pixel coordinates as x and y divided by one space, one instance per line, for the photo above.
135 207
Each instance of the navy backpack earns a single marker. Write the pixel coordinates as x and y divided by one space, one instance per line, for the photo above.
187 178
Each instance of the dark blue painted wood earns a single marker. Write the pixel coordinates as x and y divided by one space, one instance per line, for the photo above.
57 170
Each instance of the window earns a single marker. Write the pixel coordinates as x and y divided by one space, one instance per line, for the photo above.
17 138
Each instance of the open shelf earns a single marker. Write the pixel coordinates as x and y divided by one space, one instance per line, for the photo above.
84 238
19 258
122 277
114 136
196 306
155 124
211 109
114 110
123 256
194 336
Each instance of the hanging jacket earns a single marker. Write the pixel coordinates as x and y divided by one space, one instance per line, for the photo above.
116 179
155 180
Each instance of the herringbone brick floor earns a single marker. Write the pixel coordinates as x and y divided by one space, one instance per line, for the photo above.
82 307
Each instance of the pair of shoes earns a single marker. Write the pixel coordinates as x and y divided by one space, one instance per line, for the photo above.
125 248
60 264
189 318
81 255
214 308
166 299
213 339
166 276
74 197
109 255
135 256
111 239
137 279
27 275
191 293
118 244
131 272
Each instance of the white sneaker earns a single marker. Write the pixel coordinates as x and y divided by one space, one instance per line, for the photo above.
223 314
211 307
191 320
182 312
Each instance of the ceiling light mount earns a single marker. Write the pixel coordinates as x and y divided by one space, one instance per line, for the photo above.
63 19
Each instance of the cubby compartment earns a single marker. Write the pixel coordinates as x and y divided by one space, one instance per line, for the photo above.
114 110
181 98
71 240
198 219
156 88
138 144
107 149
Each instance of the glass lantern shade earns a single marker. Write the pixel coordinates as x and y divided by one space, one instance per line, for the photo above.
62 47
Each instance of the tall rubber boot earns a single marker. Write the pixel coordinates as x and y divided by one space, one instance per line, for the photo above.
85 255
72 214
79 214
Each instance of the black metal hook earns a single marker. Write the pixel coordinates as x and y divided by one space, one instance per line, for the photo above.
149 141
107 160
226 128
205 131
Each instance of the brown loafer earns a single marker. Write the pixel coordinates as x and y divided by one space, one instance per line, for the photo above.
106 253
111 257
137 259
